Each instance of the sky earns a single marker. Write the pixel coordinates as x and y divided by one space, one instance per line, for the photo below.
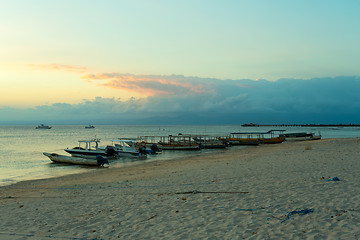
179 62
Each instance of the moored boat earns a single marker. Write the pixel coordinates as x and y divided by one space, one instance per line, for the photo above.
179 142
128 148
207 141
254 138
75 160
301 136
235 139
90 149
272 140
170 142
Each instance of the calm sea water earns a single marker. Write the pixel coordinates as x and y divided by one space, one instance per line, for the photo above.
21 147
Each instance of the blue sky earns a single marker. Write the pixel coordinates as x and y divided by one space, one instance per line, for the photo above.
150 61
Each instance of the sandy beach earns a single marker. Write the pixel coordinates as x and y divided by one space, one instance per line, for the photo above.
280 191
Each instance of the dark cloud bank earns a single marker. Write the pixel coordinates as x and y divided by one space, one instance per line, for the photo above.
286 101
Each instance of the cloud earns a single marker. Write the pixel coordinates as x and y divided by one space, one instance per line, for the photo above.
150 85
190 100
61 67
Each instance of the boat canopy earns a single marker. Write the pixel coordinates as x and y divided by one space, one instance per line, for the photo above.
88 143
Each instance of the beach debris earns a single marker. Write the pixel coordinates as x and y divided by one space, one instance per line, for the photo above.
339 213
152 217
298 211
333 179
307 148
251 209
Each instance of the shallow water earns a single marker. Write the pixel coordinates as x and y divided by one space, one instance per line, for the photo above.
21 147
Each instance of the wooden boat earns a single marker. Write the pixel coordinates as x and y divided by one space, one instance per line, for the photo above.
255 138
241 140
206 141
301 136
272 140
209 142
178 142
72 160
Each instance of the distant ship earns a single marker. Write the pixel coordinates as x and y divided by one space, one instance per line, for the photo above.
42 126
90 126
250 125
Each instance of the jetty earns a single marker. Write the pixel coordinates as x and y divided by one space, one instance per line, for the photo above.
300 125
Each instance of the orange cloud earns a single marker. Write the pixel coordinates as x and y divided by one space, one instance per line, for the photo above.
148 85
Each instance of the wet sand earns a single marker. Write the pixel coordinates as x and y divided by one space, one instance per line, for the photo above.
277 191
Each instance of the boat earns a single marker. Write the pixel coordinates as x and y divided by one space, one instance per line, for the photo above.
179 142
301 136
128 148
270 138
208 141
238 140
254 138
74 160
90 126
42 126
90 149
170 142
250 125
140 146
151 143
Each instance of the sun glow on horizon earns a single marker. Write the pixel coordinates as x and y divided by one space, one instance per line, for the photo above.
31 85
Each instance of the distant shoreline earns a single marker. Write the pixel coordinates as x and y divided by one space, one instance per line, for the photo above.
300 125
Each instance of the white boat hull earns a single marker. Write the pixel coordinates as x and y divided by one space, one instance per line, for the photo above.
71 160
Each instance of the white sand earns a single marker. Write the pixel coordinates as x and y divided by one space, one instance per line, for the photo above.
239 194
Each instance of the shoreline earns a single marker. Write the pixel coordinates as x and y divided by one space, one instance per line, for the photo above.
236 193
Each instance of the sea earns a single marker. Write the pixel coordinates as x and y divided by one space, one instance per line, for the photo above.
22 146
